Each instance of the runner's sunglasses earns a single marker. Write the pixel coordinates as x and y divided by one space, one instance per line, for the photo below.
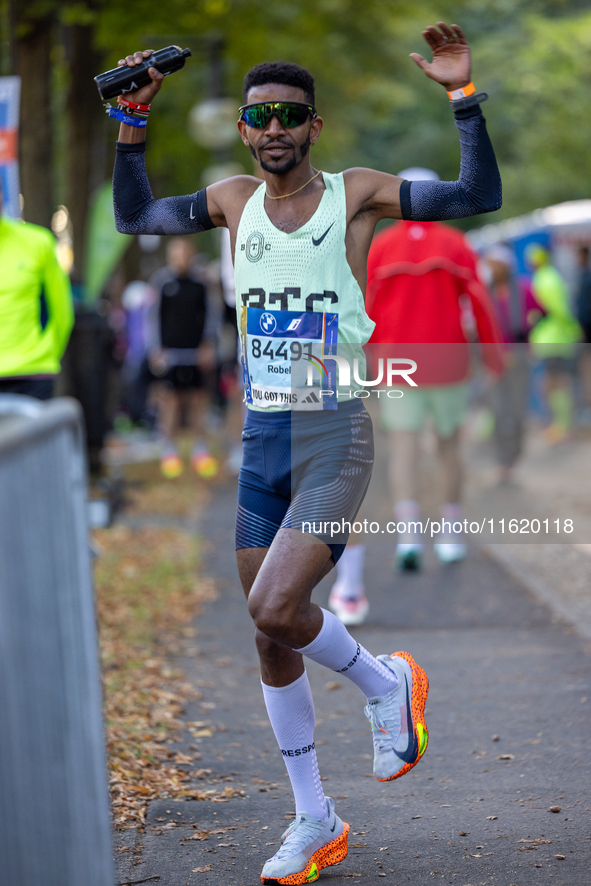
289 114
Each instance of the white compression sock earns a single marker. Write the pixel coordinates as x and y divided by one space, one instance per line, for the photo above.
450 514
291 712
350 572
335 648
408 512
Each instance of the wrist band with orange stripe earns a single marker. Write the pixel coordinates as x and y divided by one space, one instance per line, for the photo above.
463 92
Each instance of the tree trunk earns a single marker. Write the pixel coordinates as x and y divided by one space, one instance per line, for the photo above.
31 40
85 142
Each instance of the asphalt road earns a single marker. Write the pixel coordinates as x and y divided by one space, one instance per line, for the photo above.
509 723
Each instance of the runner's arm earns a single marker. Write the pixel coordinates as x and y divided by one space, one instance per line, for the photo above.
136 211
58 294
478 188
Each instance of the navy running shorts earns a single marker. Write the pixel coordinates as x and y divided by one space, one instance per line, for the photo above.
303 470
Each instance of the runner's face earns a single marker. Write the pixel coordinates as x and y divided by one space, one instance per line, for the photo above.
279 150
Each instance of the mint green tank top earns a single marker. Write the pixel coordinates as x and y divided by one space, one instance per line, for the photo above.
297 302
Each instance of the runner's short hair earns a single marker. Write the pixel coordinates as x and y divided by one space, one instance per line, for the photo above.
280 72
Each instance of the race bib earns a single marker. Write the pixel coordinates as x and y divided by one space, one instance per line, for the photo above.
283 358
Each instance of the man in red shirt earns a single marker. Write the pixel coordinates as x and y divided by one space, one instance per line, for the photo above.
423 287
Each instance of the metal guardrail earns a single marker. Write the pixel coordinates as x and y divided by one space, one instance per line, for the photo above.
54 811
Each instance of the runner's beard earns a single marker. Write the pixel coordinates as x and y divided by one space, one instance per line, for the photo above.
289 164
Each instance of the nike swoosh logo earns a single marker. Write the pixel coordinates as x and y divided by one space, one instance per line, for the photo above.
320 239
334 826
191 212
411 752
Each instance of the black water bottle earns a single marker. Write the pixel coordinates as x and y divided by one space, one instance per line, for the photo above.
125 79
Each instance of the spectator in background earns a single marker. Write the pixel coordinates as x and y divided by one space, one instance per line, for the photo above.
136 299
509 392
583 312
553 339
36 314
419 274
181 351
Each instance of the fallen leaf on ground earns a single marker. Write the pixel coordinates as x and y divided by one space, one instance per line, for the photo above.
142 612
200 835
182 758
538 841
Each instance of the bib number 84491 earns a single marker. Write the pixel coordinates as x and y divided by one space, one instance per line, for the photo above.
296 348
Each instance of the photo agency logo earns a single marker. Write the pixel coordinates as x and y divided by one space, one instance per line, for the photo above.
389 371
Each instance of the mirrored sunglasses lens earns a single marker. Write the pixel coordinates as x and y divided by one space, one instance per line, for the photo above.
294 115
289 115
257 117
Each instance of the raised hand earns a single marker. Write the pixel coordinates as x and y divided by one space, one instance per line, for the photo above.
451 65
145 94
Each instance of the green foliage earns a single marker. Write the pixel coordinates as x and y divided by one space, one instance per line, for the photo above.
540 77
531 56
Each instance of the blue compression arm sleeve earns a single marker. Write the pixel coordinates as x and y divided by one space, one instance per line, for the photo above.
136 211
478 188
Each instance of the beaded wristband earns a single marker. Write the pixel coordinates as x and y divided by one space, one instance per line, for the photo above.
126 118
139 114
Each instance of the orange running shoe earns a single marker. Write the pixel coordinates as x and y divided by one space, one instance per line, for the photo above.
308 846
204 464
171 465
400 734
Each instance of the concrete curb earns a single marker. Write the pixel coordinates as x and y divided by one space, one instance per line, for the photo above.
558 575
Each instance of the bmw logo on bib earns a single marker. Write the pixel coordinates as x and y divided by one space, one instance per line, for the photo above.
255 245
268 323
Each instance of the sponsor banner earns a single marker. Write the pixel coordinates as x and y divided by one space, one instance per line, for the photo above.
9 120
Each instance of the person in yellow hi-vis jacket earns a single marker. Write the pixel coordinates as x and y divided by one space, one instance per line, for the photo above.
553 339
36 313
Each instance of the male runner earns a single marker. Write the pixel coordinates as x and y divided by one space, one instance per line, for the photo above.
300 242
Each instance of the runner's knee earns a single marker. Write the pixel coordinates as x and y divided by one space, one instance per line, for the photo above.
274 619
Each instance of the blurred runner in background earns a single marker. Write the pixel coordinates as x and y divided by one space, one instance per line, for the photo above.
508 394
583 311
418 274
553 339
136 299
36 314
180 351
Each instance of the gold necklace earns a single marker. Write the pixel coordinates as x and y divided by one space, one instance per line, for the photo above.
283 196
